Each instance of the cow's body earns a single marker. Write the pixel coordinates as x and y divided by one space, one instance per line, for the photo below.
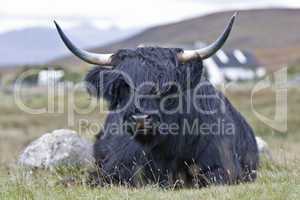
178 128
225 155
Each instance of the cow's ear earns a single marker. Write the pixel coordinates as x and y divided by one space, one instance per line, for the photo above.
99 82
118 93
107 84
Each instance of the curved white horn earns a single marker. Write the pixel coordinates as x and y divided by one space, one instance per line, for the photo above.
211 49
92 58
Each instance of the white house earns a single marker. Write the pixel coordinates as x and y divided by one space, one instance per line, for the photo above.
49 76
233 65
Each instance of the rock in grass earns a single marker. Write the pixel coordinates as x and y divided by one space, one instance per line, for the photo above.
58 149
263 148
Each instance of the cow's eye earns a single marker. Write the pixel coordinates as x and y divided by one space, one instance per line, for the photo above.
171 89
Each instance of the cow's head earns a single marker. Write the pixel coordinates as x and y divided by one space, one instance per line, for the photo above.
145 82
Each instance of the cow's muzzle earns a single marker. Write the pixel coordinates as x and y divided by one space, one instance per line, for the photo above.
144 123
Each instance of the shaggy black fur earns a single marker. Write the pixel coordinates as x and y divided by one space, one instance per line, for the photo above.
190 158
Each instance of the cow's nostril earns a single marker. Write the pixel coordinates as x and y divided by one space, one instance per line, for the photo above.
143 122
139 118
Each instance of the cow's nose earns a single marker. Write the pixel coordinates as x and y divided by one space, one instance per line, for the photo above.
145 121
140 121
138 118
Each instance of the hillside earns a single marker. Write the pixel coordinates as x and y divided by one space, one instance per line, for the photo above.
34 45
273 34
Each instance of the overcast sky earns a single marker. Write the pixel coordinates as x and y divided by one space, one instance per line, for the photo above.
122 13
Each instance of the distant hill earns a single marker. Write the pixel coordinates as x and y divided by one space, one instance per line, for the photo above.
273 34
40 44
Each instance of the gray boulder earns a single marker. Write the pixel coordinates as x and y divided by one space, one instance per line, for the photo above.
59 148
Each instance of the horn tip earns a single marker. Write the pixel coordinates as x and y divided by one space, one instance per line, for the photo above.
233 18
236 13
56 24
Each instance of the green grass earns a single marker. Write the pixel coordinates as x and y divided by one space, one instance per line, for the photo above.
274 183
278 179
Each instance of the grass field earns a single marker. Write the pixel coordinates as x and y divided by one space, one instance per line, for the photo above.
277 180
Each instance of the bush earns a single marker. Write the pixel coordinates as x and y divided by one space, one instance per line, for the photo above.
294 69
72 76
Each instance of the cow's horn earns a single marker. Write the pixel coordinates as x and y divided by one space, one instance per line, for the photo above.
211 49
92 58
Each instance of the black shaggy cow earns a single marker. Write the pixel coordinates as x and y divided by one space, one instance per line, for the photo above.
168 125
